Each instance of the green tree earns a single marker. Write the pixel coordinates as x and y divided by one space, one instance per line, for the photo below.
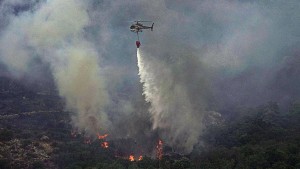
6 135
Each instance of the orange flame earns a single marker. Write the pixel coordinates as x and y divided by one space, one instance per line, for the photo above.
131 158
100 137
104 145
159 150
140 158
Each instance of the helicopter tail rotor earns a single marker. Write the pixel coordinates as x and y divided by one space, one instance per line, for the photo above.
152 26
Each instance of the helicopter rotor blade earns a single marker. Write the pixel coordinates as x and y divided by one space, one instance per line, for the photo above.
142 21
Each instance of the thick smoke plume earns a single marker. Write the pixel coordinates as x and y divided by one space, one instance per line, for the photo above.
54 33
202 56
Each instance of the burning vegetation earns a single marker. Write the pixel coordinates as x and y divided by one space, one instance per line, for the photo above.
104 144
266 137
131 158
190 72
119 149
101 137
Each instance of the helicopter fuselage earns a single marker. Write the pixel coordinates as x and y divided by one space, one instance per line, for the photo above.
138 27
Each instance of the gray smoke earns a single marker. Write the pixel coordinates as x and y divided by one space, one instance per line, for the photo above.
202 55
51 33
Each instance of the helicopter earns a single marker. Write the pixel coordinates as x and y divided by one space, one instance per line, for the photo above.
138 27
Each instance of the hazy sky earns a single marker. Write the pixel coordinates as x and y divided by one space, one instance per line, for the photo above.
204 55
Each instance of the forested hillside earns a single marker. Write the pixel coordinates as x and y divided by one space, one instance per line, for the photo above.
35 132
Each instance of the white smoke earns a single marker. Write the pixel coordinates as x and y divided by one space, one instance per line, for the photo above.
232 50
54 33
171 109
